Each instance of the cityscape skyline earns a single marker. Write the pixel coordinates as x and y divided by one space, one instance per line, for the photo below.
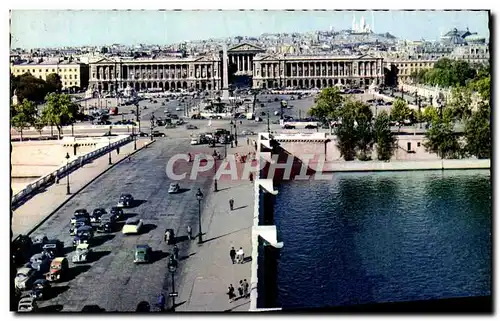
65 28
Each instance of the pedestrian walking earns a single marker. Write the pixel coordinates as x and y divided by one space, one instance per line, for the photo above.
229 295
161 302
231 204
241 255
251 177
232 295
190 232
240 289
246 287
232 254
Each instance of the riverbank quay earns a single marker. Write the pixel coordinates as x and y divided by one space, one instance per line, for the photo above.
208 271
36 210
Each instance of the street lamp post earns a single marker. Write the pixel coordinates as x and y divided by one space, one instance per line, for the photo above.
134 137
235 134
172 267
152 126
215 170
109 147
67 175
199 197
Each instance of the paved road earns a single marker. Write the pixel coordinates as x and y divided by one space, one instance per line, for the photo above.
113 281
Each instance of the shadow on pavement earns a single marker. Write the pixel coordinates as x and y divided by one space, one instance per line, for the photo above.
158 255
183 190
126 216
182 258
69 249
51 308
239 208
55 291
137 203
223 189
247 259
77 270
92 308
183 238
239 305
97 255
217 237
143 306
146 228
101 239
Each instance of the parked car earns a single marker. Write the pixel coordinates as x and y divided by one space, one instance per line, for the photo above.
107 223
132 226
173 188
126 200
27 304
142 254
83 235
25 278
77 224
82 253
53 248
58 269
80 213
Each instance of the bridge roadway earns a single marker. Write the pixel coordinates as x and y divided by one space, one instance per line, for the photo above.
113 281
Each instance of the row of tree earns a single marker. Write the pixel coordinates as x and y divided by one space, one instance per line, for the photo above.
358 131
447 73
58 111
34 89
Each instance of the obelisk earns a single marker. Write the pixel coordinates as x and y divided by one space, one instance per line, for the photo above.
225 75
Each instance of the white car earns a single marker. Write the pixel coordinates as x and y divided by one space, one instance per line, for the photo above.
173 188
82 253
132 226
194 141
24 278
178 109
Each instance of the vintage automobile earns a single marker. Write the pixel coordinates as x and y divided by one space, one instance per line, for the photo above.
21 249
81 212
79 223
107 224
53 248
40 262
169 236
25 277
142 254
126 200
58 269
27 304
96 215
41 288
173 188
132 226
116 212
82 253
83 235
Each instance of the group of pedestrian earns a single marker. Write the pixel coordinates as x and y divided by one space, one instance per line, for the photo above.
237 257
243 291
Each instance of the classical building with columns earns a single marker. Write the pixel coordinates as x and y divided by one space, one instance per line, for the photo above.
275 71
263 70
161 74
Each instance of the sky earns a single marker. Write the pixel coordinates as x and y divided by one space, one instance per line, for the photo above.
57 28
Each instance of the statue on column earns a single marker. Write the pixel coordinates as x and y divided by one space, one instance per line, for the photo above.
15 100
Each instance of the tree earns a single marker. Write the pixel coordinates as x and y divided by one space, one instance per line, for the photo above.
328 104
24 116
384 138
461 102
60 111
400 112
29 87
441 139
39 124
478 132
54 82
430 114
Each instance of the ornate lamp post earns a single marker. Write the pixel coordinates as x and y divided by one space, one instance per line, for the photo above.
172 267
199 197
67 175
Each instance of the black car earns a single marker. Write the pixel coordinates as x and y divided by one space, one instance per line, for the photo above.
311 127
288 127
107 223
54 248
96 214
125 200
116 212
157 133
143 134
79 213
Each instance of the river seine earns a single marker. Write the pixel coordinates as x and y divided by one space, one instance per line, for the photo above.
384 237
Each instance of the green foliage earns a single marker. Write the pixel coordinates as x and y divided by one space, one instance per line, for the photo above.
384 138
29 87
60 111
430 114
478 132
400 111
355 132
54 82
440 139
482 85
328 104
25 114
446 73
461 103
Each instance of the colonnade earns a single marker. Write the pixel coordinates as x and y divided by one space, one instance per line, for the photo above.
244 62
